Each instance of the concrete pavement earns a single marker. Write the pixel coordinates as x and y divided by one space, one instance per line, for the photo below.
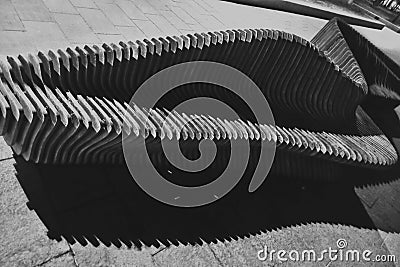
32 25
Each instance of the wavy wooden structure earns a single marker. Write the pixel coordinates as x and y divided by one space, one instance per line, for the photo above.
70 106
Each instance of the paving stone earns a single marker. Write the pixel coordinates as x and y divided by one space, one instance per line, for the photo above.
209 22
5 150
224 256
23 236
163 24
83 3
175 20
184 32
115 15
103 256
104 1
131 10
392 243
9 19
159 4
385 210
186 256
145 7
13 42
245 250
232 15
380 222
388 192
83 44
60 6
131 33
75 28
366 195
46 35
110 38
198 28
66 260
396 185
183 15
97 21
32 10
207 5
193 8
149 28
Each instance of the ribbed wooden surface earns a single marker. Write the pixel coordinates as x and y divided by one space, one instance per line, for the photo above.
364 62
71 106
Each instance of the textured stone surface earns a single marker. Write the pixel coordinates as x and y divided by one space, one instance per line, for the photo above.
60 6
131 10
131 33
115 15
83 3
149 28
97 21
103 256
23 236
75 28
111 38
5 150
40 32
163 24
13 42
32 10
186 256
9 19
175 20
63 260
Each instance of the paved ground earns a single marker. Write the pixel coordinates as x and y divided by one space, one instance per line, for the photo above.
292 217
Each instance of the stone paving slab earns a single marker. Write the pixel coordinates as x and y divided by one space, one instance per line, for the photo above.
60 6
111 38
175 20
187 256
23 239
13 42
159 4
39 32
163 24
149 28
115 14
183 14
104 256
64 260
81 24
5 150
97 21
76 29
145 7
10 20
83 3
32 10
131 10
131 33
